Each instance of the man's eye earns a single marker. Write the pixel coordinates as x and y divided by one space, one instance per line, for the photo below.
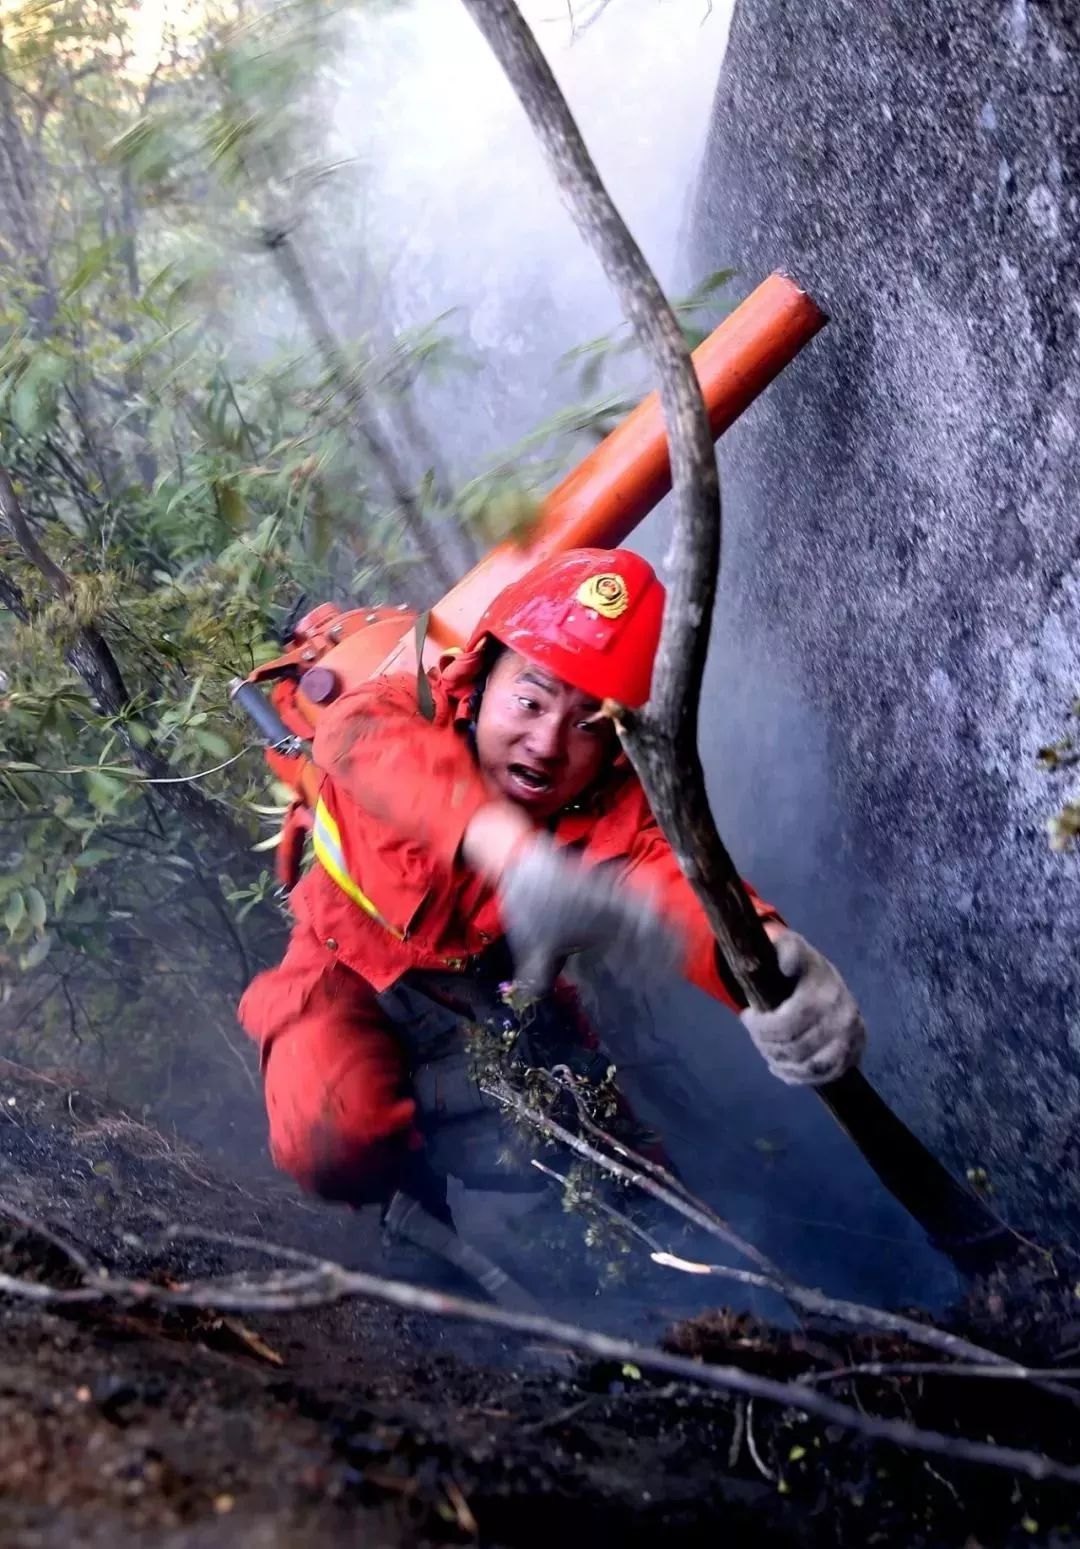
592 728
527 704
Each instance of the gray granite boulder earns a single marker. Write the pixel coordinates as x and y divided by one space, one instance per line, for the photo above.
898 629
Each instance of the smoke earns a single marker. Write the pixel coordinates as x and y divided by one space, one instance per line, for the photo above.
457 192
459 201
445 206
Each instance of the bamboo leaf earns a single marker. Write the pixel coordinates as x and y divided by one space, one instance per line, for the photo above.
36 953
93 266
105 791
91 857
36 910
14 912
212 742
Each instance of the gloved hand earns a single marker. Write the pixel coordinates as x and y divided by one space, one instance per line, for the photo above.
552 905
817 1033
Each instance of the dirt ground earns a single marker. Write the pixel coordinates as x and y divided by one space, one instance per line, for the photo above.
359 1423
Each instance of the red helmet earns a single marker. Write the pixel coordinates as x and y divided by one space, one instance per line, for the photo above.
590 616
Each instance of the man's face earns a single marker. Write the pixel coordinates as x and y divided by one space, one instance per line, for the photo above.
539 742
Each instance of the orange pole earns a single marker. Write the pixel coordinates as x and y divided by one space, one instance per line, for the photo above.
595 506
619 483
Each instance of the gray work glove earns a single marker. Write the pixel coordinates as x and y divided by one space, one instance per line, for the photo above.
817 1033
552 905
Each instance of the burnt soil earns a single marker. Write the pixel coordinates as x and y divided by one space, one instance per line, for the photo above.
360 1423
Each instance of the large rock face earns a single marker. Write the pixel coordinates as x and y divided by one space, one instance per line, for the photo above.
902 569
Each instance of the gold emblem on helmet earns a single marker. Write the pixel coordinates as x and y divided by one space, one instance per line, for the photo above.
605 594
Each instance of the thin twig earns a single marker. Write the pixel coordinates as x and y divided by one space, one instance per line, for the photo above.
29 1224
737 1434
802 1297
702 1218
752 1445
643 1163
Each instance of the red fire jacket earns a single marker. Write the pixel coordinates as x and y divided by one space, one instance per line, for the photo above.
399 794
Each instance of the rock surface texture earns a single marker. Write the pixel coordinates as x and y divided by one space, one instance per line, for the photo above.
902 561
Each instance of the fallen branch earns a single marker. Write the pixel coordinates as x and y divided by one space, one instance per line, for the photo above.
699 1215
326 1282
642 1163
802 1297
1009 1372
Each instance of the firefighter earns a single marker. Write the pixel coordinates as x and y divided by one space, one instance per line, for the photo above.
476 839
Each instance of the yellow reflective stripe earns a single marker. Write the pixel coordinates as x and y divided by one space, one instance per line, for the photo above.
326 838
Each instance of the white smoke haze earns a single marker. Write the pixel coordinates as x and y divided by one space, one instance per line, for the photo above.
460 212
442 203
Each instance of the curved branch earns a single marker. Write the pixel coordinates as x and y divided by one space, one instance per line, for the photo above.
662 740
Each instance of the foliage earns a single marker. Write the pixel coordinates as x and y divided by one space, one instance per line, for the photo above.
189 477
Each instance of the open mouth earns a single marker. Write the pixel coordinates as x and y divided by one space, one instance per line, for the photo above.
530 782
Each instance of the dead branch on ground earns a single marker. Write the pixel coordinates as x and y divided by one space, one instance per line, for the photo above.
317 1282
802 1298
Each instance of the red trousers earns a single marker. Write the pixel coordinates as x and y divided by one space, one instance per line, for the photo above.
341 1119
338 1074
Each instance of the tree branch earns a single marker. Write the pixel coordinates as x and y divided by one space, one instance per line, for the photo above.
315 1283
279 244
769 1277
662 739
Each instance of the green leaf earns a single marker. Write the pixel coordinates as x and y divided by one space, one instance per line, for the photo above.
92 267
36 953
36 909
591 372
213 742
33 403
105 791
715 281
14 913
91 857
66 884
232 506
424 696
